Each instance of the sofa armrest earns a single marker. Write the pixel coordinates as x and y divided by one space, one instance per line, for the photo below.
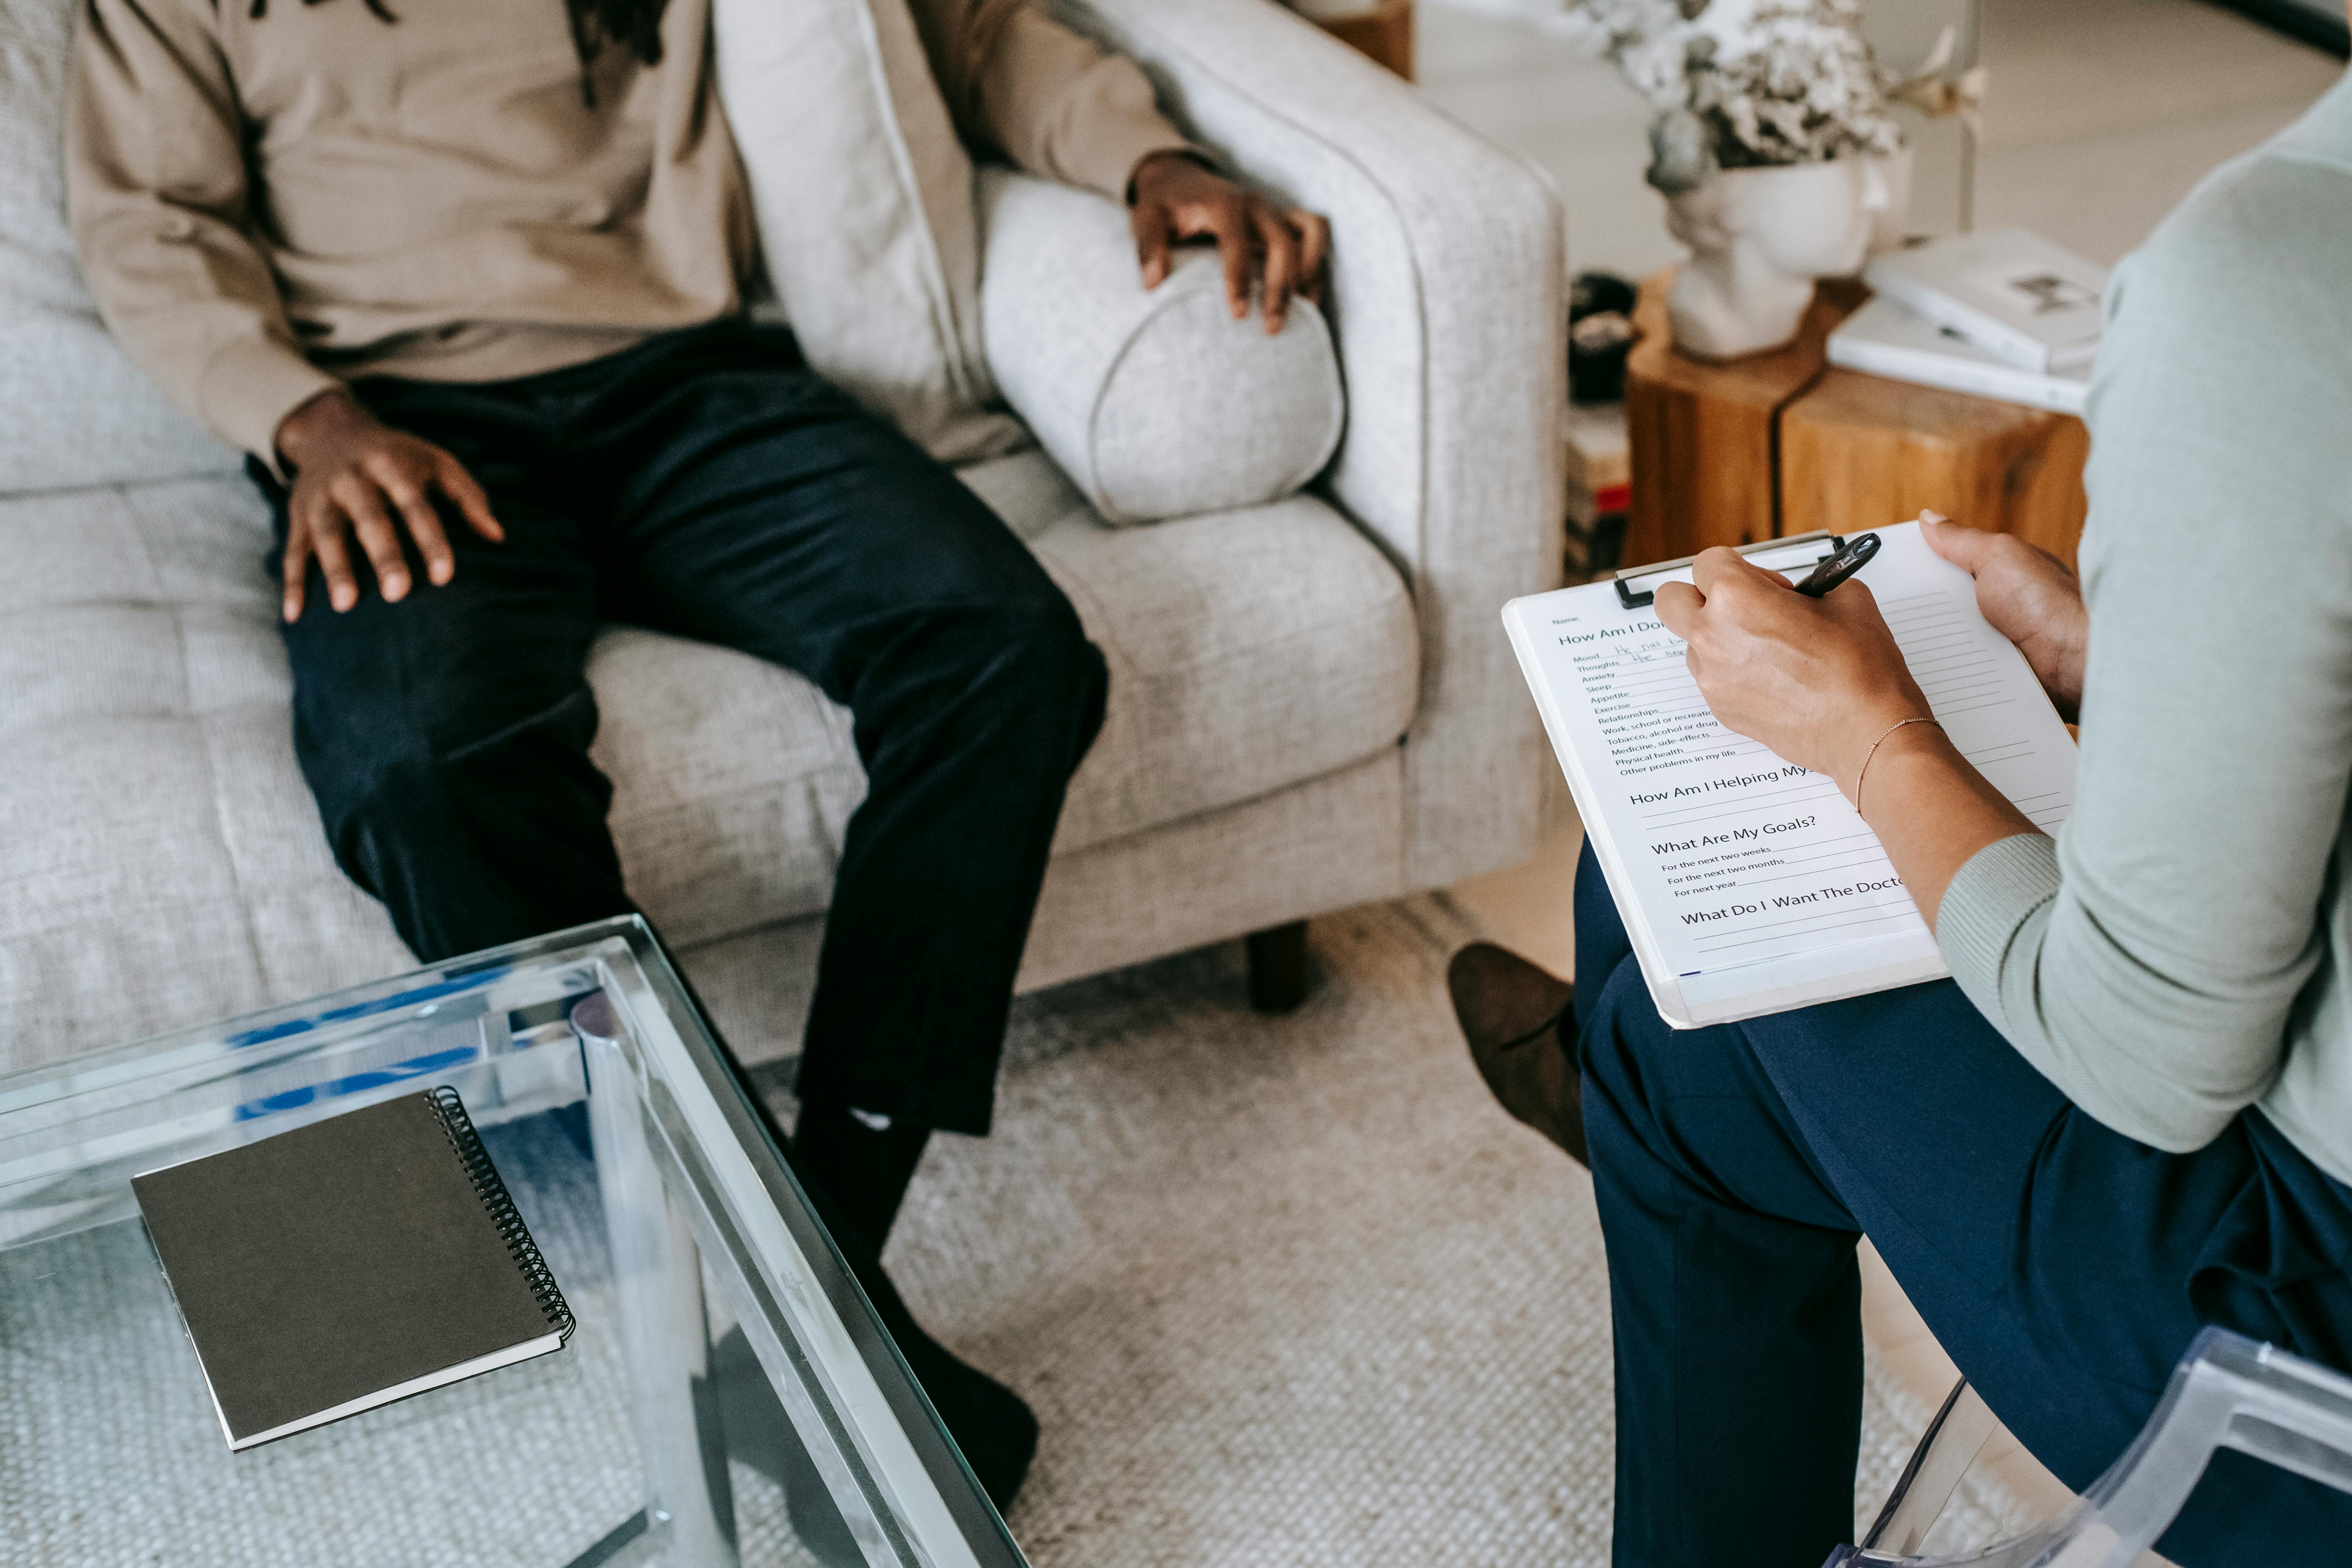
1448 300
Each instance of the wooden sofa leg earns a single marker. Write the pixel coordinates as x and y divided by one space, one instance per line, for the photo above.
1277 967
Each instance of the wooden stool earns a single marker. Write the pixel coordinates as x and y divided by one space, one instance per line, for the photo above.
1386 35
1859 451
1780 442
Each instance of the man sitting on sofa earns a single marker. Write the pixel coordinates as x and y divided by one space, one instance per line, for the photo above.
465 282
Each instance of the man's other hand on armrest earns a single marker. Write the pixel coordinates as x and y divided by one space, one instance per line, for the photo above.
353 473
1174 197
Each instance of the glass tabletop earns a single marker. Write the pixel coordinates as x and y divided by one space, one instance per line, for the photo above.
728 1396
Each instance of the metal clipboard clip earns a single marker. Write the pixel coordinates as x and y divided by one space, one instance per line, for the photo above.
1818 545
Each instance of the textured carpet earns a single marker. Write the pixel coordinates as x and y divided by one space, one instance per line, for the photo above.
1293 1291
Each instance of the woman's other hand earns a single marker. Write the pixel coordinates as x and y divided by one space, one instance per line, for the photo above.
2029 596
1817 680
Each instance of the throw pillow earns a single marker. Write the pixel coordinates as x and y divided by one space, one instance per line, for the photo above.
1155 403
863 197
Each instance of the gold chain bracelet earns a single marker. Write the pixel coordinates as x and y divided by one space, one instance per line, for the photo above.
1874 752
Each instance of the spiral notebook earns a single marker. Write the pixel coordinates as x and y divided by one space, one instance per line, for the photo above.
347 1264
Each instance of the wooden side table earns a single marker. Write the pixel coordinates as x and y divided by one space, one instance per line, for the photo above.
1386 34
1857 451
1703 436
1781 443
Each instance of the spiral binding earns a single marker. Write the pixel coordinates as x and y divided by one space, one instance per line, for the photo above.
460 1128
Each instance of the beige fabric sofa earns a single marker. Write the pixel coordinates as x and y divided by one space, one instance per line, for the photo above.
1312 700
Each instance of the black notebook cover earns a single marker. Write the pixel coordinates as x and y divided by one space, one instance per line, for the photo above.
347 1264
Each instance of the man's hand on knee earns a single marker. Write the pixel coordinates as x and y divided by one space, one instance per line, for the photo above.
1173 198
353 473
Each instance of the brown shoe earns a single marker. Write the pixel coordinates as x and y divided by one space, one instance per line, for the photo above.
1512 1013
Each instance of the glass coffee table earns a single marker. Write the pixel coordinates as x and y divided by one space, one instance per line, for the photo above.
728 1396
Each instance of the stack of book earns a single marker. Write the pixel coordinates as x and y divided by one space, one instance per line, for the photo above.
2003 314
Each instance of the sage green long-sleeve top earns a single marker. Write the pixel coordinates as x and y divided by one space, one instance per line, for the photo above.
2183 951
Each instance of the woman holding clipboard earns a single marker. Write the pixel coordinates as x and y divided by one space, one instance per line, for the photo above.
2129 1114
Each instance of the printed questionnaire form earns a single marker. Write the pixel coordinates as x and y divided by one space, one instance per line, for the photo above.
1748 884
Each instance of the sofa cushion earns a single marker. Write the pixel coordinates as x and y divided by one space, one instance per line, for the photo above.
1156 402
1248 650
78 413
164 861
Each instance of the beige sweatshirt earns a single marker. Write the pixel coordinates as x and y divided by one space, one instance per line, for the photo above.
268 205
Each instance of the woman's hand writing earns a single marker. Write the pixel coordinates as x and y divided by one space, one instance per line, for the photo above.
1822 682
1817 680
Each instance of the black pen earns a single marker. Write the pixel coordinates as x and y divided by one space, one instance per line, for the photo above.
1834 569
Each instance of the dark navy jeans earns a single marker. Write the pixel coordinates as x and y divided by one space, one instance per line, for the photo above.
2065 1267
708 483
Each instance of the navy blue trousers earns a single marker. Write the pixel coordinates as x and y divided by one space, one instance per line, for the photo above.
708 483
2065 1267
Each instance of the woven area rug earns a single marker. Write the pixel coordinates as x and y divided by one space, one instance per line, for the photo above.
1290 1290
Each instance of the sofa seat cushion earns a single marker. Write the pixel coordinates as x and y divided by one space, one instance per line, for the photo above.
1248 650
163 863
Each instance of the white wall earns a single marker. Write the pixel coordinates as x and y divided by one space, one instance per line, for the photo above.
1903 33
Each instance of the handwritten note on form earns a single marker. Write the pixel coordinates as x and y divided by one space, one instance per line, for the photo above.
1748 884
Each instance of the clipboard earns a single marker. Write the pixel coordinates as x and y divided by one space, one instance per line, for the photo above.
1745 883
1821 543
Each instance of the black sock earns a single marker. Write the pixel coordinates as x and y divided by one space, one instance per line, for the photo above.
862 1168
989 1422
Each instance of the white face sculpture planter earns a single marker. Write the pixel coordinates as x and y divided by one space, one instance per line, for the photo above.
1758 238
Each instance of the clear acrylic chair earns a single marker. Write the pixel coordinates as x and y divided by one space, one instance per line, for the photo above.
2229 1391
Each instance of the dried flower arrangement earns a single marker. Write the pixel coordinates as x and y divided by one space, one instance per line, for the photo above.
1744 83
